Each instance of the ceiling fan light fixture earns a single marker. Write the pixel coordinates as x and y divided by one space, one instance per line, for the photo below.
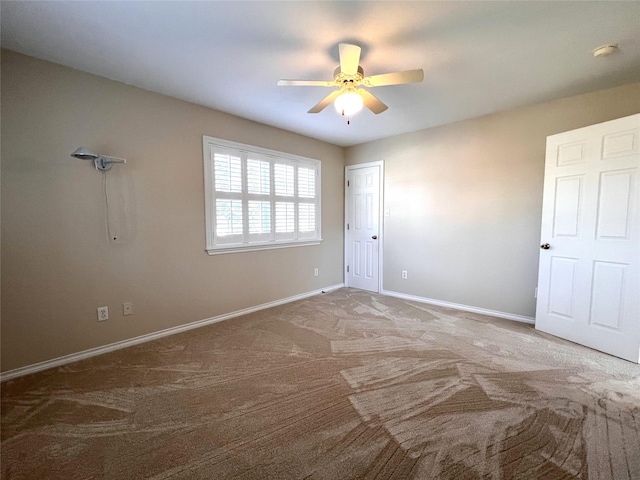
349 98
349 103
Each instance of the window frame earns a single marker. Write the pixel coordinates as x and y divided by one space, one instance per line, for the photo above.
298 238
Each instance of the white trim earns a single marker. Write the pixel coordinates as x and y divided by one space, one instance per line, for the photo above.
347 170
261 246
92 352
466 308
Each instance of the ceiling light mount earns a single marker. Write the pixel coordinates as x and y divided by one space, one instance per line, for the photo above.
605 50
101 162
356 79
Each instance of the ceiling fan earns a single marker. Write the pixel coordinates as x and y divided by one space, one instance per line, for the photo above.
349 78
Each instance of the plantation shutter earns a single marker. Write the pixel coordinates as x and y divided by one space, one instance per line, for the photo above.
229 218
258 198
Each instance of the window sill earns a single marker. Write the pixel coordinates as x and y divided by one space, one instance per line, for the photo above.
256 247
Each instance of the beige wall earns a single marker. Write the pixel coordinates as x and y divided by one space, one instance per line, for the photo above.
465 200
57 265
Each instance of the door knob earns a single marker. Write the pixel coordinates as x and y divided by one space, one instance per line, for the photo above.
545 246
375 237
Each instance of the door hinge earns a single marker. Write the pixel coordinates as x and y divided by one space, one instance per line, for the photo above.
347 226
347 183
347 268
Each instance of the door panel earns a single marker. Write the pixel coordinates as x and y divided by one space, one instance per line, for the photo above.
570 153
589 277
567 206
561 282
614 202
355 264
607 294
362 233
620 144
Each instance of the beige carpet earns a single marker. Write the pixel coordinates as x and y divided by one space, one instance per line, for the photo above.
346 385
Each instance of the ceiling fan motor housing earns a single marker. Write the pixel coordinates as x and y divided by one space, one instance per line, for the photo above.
342 78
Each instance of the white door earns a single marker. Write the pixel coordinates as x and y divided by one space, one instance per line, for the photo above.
588 284
362 232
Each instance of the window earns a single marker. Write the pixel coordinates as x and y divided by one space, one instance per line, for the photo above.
257 198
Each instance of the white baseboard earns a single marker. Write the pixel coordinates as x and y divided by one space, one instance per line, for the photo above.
466 308
92 352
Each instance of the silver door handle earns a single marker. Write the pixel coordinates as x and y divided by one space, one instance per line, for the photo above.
375 237
545 246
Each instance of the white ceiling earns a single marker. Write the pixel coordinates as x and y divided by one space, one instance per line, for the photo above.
478 57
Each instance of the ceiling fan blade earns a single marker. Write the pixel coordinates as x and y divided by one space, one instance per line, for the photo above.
349 58
397 78
306 83
326 101
372 102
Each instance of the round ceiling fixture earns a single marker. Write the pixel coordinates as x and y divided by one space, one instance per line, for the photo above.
349 103
605 50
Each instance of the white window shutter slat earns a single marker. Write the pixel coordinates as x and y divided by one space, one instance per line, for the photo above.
228 173
228 217
285 220
258 177
306 217
259 217
306 182
283 179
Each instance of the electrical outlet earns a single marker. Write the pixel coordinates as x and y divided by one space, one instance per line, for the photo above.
127 308
404 274
315 272
103 314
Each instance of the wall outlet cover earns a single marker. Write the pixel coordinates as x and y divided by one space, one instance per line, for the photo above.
103 314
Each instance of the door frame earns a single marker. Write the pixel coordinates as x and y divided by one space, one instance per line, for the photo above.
347 171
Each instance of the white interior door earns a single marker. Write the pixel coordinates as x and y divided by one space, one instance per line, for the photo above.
363 234
588 284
